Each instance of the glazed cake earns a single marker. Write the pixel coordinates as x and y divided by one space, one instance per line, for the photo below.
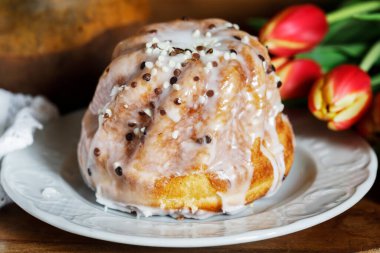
186 121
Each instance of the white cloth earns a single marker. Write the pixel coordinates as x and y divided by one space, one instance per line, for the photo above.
20 116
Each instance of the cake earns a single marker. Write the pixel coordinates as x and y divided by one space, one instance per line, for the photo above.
186 121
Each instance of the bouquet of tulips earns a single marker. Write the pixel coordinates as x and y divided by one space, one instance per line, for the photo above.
329 62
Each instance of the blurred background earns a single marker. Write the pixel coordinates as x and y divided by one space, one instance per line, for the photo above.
60 48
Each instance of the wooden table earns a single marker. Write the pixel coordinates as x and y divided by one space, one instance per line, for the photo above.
358 229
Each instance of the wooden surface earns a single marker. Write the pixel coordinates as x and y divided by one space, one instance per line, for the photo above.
358 229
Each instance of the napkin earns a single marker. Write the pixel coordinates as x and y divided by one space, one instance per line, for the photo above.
20 116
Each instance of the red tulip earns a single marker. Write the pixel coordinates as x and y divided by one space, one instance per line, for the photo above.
341 97
369 125
296 29
297 77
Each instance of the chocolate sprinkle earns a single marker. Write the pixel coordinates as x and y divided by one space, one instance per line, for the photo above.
157 91
199 140
212 26
200 48
237 37
96 151
177 72
162 112
133 84
279 84
208 139
132 124
152 105
173 80
130 136
142 113
142 65
89 172
196 56
152 31
210 51
146 77
176 50
196 78
270 69
214 64
154 45
210 93
184 64
261 57
119 171
107 69
177 101
121 80
233 51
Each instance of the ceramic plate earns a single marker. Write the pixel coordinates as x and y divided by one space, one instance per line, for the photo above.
332 171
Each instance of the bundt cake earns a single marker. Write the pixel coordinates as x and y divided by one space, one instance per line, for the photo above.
186 121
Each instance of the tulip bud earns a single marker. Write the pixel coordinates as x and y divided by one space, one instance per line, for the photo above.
341 97
369 125
296 29
297 76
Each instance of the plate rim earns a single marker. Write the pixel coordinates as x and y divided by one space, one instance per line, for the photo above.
245 237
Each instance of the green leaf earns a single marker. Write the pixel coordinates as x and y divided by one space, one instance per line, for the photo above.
257 23
368 17
350 2
352 31
370 58
330 56
348 11
375 83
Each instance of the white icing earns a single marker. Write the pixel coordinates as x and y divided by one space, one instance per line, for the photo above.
147 211
175 134
174 114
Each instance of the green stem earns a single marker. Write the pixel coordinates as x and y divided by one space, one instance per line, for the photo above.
375 83
371 57
349 11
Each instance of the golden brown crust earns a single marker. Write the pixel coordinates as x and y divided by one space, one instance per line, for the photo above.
201 190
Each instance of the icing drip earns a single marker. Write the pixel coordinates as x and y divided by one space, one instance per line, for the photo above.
208 115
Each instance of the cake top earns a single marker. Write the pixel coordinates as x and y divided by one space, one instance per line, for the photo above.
183 97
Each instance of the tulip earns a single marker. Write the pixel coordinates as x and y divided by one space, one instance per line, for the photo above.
297 77
296 29
341 97
369 125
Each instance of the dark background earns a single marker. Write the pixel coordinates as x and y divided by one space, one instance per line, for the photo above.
68 76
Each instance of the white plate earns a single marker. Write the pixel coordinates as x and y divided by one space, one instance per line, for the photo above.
332 172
